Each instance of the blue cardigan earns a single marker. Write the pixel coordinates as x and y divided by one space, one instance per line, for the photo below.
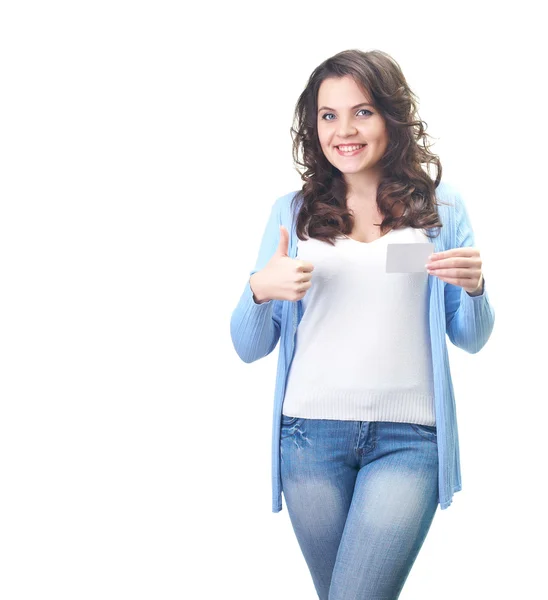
467 320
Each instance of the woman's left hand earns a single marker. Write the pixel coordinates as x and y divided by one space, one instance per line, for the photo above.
459 266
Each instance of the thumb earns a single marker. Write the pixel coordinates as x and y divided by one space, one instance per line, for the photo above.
283 246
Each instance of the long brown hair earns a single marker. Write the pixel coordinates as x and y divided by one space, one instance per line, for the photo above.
323 214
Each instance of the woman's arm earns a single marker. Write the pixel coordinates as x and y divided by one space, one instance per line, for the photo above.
469 318
255 328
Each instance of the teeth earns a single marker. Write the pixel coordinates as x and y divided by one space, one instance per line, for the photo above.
350 148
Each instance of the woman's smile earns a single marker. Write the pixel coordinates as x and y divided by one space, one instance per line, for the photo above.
352 152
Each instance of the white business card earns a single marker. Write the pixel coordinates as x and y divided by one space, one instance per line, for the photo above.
408 258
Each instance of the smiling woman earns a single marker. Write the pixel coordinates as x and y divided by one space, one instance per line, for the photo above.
365 443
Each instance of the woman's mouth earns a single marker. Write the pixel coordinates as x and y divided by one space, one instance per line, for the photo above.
350 150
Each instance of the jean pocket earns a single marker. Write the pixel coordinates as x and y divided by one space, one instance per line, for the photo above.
287 421
428 432
290 426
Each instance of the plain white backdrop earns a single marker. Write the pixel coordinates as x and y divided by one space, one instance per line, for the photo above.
142 146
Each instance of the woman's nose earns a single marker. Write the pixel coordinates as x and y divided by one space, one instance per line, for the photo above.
347 129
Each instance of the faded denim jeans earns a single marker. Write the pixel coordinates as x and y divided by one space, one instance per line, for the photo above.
361 496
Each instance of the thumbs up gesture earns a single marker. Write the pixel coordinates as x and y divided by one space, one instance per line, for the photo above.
283 278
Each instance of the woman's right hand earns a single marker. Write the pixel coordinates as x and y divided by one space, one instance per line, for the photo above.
283 278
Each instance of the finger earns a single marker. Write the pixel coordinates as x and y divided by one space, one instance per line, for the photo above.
305 266
462 251
283 243
459 281
455 273
468 262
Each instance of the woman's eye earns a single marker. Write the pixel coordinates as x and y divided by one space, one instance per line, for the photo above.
361 110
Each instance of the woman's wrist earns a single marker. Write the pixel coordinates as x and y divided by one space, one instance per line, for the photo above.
259 296
479 290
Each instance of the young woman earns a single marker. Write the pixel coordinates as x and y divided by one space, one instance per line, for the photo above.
365 441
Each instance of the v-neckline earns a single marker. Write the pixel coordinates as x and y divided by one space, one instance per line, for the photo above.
371 242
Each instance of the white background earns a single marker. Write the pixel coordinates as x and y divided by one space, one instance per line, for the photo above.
142 146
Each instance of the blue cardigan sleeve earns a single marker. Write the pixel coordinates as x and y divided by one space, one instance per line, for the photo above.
255 328
469 319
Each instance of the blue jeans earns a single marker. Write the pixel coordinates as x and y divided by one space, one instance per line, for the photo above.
361 496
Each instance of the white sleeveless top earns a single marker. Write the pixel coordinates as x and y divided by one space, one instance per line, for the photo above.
362 347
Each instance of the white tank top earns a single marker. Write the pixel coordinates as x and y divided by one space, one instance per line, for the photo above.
362 348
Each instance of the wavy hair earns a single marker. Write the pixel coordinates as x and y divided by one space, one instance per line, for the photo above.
406 192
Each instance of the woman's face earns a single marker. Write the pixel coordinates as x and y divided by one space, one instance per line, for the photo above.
342 121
